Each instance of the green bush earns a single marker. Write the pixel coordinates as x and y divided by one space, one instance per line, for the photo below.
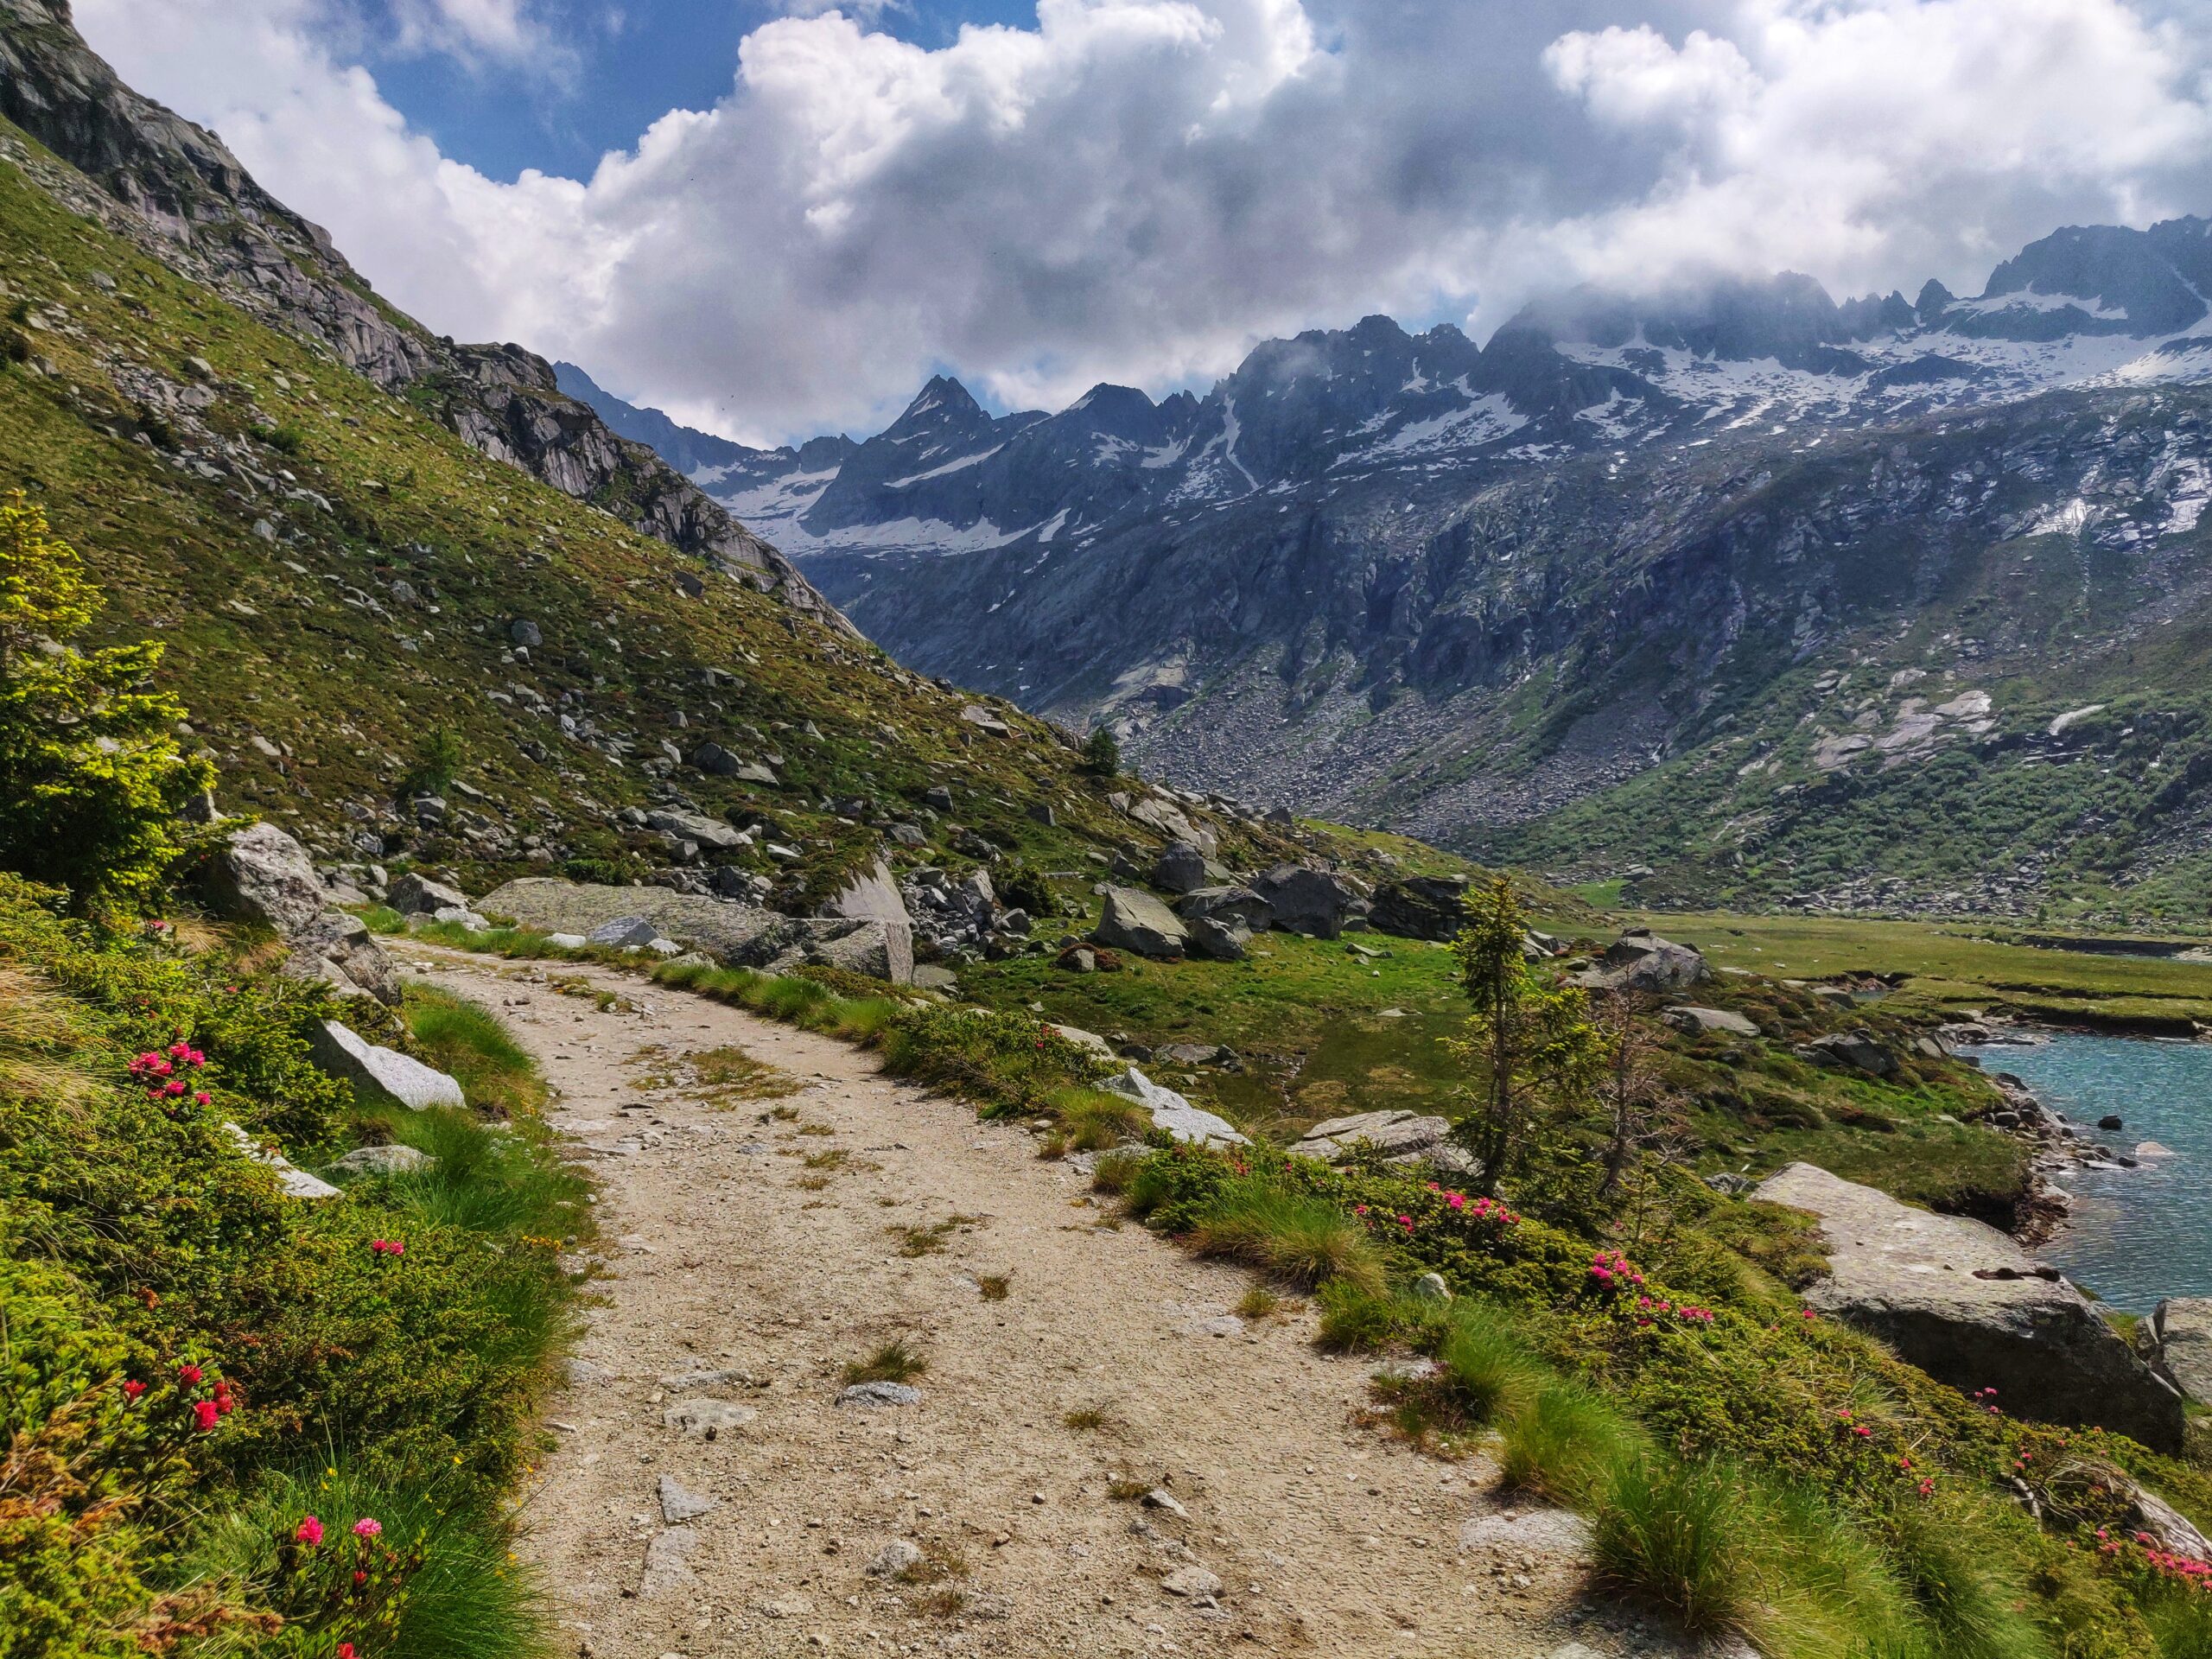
90 775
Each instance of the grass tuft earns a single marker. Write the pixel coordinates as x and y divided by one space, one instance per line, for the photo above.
1671 1533
1303 1242
894 1362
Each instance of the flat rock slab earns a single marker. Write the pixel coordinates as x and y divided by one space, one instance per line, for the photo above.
1135 920
724 928
875 1395
1394 1137
1970 1307
296 1181
678 1504
1174 1113
1696 1019
706 1419
668 1562
344 1054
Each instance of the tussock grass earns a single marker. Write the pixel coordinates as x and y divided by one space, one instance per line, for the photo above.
1361 1320
495 1071
1114 1173
994 1286
1098 1122
1482 1368
1303 1242
1563 1444
1957 1566
1672 1534
893 1362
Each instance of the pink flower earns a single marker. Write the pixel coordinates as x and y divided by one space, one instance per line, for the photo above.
310 1531
367 1527
202 1097
1456 1200
205 1413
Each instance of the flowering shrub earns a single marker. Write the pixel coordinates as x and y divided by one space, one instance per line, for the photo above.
342 1578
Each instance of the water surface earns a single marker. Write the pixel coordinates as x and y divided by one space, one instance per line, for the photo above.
2137 1235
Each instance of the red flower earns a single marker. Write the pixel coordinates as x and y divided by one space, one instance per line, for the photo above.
132 1390
310 1531
190 1374
205 1414
202 1097
344 1651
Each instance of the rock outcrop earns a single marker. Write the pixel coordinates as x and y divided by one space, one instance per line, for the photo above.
264 876
1640 961
1970 1307
2180 1329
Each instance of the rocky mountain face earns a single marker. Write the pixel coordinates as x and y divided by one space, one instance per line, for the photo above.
179 193
1711 584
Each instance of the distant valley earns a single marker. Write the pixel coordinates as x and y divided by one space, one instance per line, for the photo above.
1740 593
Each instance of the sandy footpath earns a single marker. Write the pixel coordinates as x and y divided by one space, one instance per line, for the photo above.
708 1495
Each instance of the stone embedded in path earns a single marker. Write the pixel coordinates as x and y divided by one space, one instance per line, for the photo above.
667 1563
895 1558
696 1383
1194 1581
876 1395
1171 1112
381 1071
1970 1307
1158 1499
706 1419
678 1504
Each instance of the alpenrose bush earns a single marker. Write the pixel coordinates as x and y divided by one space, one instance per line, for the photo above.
1761 1379
178 1332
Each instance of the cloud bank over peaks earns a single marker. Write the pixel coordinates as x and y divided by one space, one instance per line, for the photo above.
1137 190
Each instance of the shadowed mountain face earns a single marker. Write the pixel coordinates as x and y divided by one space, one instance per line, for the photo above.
1723 582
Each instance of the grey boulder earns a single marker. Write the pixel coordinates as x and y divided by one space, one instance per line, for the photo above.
1135 920
1172 1112
264 876
381 1071
1237 906
694 826
1695 1021
624 932
2181 1328
1181 867
1860 1051
295 1182
1399 1138
1640 961
1970 1307
1218 941
413 894
1421 907
385 1161
1303 899
874 1397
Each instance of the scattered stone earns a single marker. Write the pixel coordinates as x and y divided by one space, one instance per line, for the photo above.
568 941
1860 1050
705 1419
1090 1041
698 1383
695 826
896 1557
1194 1581
1970 1307
624 932
874 1396
385 1161
1431 1288
1694 1021
1171 1112
381 1071
679 1505
1077 959
1159 1498
2112 1121
1135 920
525 633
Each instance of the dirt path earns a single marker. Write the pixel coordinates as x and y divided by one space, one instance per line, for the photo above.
739 1274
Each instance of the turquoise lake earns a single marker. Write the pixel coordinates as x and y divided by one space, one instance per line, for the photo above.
2137 1235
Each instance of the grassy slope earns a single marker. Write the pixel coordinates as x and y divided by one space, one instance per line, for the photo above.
298 642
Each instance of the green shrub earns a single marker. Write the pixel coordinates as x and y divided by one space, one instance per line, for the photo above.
1004 1062
90 774
1482 1368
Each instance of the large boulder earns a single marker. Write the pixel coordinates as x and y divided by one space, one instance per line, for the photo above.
1219 941
1400 1138
264 876
1859 1051
879 950
381 1072
1421 907
2181 1328
1237 906
1305 900
1970 1307
417 895
1640 961
1181 867
694 826
1172 1112
1135 920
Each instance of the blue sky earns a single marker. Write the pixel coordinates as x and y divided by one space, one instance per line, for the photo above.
633 61
774 217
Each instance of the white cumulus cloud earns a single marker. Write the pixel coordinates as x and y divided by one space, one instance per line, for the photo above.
1136 190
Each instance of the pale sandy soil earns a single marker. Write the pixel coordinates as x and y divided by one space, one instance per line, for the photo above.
1327 1537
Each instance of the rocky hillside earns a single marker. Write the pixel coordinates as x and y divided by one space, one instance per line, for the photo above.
427 610
1781 599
